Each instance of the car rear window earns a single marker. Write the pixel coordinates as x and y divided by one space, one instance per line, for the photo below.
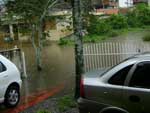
2 67
120 76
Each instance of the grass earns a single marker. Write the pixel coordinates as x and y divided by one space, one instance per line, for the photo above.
146 37
66 102
43 111
93 38
64 41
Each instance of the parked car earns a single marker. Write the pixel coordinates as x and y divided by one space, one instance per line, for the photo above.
10 83
125 88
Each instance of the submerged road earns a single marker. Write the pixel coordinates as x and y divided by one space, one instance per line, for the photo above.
56 77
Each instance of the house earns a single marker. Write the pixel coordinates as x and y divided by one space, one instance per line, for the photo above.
112 3
125 3
108 7
141 1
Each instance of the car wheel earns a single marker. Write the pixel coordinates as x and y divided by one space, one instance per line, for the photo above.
12 96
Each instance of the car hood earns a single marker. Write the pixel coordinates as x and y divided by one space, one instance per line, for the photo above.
95 73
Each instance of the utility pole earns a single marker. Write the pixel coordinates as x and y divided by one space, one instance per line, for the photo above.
78 35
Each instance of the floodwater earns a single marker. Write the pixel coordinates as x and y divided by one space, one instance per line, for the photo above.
57 75
58 72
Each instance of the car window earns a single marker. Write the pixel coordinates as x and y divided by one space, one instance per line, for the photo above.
120 76
2 67
141 76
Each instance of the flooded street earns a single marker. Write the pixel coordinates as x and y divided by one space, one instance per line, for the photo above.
58 74
58 67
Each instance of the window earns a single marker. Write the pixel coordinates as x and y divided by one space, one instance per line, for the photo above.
2 67
119 77
141 76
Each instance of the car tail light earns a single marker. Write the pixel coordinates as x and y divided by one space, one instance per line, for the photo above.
82 94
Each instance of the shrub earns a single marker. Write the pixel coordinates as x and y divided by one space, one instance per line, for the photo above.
98 26
118 21
64 41
132 19
146 37
143 12
139 16
113 33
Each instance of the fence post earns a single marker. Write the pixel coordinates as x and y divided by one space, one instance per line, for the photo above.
24 65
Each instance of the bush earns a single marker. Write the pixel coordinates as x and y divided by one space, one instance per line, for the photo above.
133 20
146 37
64 41
113 33
118 21
139 16
143 12
98 26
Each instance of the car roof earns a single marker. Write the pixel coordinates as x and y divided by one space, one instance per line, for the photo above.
142 56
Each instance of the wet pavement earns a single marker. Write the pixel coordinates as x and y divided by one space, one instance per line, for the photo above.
56 78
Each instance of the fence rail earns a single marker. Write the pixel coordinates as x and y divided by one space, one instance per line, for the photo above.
108 54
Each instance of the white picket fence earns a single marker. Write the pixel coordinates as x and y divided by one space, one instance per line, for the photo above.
108 54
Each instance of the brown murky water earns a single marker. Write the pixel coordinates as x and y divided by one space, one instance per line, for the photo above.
58 65
58 68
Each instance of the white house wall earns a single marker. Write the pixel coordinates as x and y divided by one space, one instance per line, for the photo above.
125 3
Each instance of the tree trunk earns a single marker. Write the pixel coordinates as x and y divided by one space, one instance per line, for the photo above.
40 46
37 46
77 21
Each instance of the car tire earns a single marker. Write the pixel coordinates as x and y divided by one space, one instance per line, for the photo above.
12 96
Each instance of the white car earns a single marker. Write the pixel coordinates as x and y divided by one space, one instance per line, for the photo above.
10 83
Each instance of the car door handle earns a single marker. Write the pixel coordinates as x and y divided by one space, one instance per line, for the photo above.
134 99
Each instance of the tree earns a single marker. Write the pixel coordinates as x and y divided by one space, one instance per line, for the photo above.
77 24
33 12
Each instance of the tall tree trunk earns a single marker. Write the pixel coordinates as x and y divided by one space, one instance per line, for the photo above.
77 22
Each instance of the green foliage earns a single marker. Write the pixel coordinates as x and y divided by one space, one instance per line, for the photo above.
118 21
133 20
146 37
43 111
66 103
64 41
140 16
98 26
143 12
113 33
93 38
